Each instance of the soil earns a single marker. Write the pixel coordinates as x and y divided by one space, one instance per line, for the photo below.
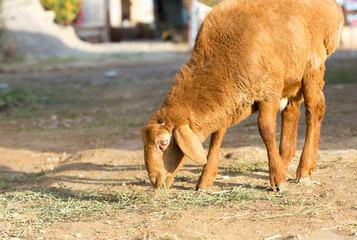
88 138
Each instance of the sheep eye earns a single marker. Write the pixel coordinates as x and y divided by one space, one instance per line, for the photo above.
164 142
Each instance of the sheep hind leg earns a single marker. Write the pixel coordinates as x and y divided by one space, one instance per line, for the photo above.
267 127
314 101
211 168
289 127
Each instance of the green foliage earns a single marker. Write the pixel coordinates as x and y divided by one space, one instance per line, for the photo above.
66 10
1 20
14 99
4 184
210 3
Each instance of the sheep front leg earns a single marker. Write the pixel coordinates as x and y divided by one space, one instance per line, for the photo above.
289 127
170 178
314 101
211 168
267 126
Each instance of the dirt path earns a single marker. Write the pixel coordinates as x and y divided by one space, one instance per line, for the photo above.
76 146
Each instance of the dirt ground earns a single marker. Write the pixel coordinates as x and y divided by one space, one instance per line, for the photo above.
84 135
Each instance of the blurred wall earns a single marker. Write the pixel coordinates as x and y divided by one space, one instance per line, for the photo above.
35 34
349 37
94 27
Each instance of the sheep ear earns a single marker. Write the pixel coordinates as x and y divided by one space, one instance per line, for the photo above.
190 144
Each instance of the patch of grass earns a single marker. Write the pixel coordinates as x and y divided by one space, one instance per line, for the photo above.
57 60
22 102
331 164
93 125
337 77
7 182
41 207
341 72
4 184
33 177
185 178
247 166
324 165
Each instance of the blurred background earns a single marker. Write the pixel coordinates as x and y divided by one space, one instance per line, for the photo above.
78 80
69 27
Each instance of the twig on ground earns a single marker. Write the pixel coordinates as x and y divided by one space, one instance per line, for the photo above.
348 223
221 192
273 237
229 217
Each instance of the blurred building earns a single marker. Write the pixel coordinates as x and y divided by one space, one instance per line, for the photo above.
94 27
349 31
116 20
349 8
176 20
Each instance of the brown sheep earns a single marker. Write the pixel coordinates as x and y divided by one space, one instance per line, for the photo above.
249 55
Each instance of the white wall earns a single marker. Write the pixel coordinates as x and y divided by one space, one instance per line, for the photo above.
115 13
142 11
349 37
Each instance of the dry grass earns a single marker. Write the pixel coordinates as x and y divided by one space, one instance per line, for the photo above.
28 211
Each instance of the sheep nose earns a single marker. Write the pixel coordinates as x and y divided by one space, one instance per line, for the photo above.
158 178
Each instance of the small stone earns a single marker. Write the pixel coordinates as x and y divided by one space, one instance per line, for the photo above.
78 235
42 231
111 74
4 88
226 177
53 126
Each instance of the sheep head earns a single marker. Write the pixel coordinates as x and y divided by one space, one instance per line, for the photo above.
165 147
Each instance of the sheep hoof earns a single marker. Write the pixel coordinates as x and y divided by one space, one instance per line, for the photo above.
303 179
203 187
282 188
307 181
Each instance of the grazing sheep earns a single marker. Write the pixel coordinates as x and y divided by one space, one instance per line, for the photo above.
249 55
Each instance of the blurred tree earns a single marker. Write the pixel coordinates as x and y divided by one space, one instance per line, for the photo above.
67 12
1 32
210 3
1 22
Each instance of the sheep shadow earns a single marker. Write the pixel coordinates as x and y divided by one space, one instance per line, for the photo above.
108 176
